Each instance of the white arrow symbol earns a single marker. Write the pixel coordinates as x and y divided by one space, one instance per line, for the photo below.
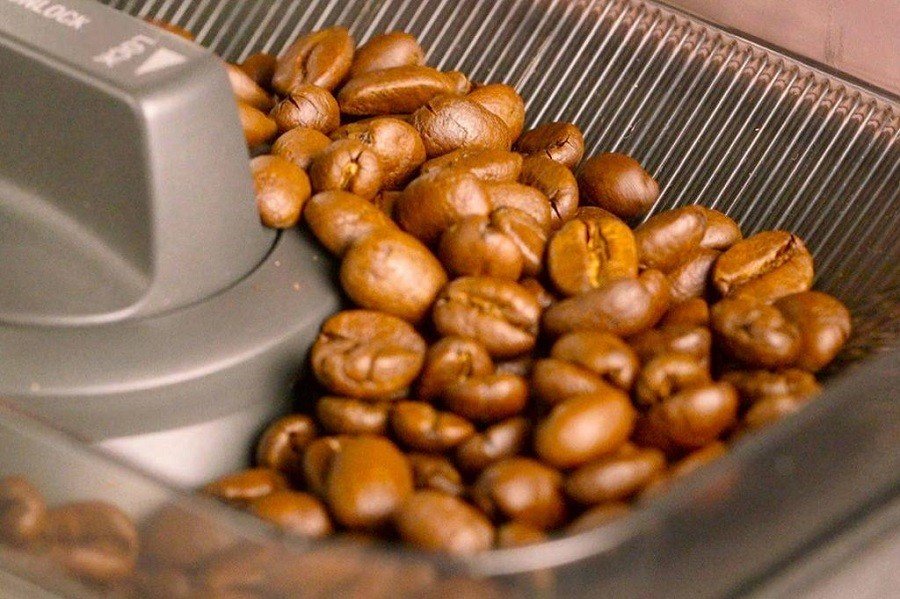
162 58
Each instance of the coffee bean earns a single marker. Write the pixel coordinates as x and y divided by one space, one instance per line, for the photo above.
545 298
721 231
767 266
690 279
436 473
504 439
242 488
824 325
518 534
22 511
603 354
385 201
504 102
528 199
615 477
771 409
598 516
386 51
755 333
450 122
692 312
282 189
439 522
472 246
300 145
433 202
562 142
349 416
487 165
397 144
666 238
520 366
449 360
247 90
347 165
366 354
617 183
756 385
556 181
397 90
695 341
294 512
260 67
322 58
521 489
526 233
257 126
697 416
281 445
307 106
668 374
317 459
487 398
553 381
419 426
338 219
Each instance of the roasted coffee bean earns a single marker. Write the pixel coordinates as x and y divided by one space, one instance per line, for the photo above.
242 488
366 481
824 325
176 537
690 312
522 197
697 416
172 28
688 339
93 540
439 522
765 267
523 490
553 381
583 428
349 416
338 219
450 122
294 512
556 181
562 142
420 426
474 247
487 398
396 143
617 183
386 51
347 165
500 314
757 385
398 90
756 333
624 306
528 235
598 516
588 251
246 89
282 189
260 67
282 443
666 238
602 353
393 272
721 231
22 511
668 374
615 477
366 354
544 297
450 360
690 278
770 410
300 145
433 202
307 106
257 126
499 441
436 473
322 58
317 459
487 165
504 102
520 366
683 467
385 201
518 534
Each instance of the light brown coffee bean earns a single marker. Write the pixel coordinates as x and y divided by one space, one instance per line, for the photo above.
385 201
433 202
300 145
562 142
688 339
397 90
487 398
487 165
756 333
598 516
824 325
528 199
757 385
240 489
386 51
282 189
437 473
503 101
347 165
246 89
668 374
553 381
396 143
294 512
617 183
322 58
527 234
691 312
504 439
419 426
282 443
339 219
691 278
350 416
257 126
523 490
438 522
472 246
771 409
544 297
260 67
665 239
518 534
615 477
697 416
556 181
721 231
766 266
317 459
366 354
307 106
449 360
22 511
450 122
602 353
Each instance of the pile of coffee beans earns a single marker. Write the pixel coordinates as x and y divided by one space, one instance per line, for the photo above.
521 360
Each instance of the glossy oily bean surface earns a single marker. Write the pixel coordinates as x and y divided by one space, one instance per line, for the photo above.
307 106
489 397
528 199
503 101
504 439
300 145
247 90
824 324
521 489
691 278
282 189
615 477
258 128
602 353
667 374
433 202
756 333
385 51
294 512
396 143
398 90
242 488
667 237
697 416
562 142
322 58
553 381
338 219
473 246
487 165
260 67
756 385
347 165
765 267
437 473
350 416
420 426
556 181
450 122
526 233
721 231
449 360
439 522
282 443
617 183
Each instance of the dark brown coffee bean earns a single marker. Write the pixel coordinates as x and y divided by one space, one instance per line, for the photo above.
756 333
690 278
282 189
22 511
665 239
487 398
419 426
688 339
307 106
770 410
347 165
615 477
260 67
767 266
757 385
246 89
474 247
366 354
553 381
396 143
294 512
504 102
583 428
598 516
544 297
300 145
281 445
338 219
721 231
199 538
824 325
393 272
450 360
386 51
398 90
556 181
438 522
436 473
691 312
617 183
602 353
697 416
520 366
349 416
433 202
366 482
257 126
487 165
522 197
623 306
528 235
499 441
322 58
240 489
668 374
172 28
93 540
523 490
562 142
450 122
